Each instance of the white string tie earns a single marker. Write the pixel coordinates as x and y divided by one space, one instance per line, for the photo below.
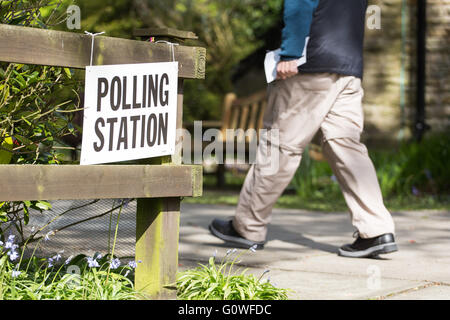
171 44
93 35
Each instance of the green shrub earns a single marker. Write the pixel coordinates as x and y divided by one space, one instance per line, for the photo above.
36 108
220 282
413 169
39 279
416 167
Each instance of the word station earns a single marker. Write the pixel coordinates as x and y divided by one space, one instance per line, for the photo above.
130 112
149 129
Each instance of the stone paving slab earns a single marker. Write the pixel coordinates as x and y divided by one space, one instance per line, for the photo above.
302 247
433 292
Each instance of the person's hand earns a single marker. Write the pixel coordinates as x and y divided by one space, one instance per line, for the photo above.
286 69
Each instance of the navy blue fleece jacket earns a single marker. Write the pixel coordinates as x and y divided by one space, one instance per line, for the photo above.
298 17
336 31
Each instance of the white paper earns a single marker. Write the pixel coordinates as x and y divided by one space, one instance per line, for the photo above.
139 122
272 59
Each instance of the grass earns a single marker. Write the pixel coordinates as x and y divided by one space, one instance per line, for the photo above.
35 279
415 176
221 282
293 201
80 279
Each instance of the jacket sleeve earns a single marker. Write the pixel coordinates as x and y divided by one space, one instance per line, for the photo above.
297 16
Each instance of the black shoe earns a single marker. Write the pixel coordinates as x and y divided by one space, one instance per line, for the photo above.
362 248
223 229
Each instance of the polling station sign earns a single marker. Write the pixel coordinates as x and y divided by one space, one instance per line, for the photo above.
130 112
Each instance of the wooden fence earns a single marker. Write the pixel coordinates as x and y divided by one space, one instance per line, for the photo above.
158 183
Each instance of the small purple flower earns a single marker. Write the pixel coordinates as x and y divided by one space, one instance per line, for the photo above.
92 263
10 242
13 255
415 191
50 262
132 264
333 178
97 256
15 273
68 260
12 247
114 264
57 257
125 202
48 234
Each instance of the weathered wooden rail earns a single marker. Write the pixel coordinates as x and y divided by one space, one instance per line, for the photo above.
158 183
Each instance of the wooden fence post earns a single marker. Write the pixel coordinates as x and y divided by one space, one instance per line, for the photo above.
157 225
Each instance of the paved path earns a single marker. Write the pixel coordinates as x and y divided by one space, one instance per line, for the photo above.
301 254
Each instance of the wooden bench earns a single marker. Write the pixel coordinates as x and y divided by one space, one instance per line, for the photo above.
243 114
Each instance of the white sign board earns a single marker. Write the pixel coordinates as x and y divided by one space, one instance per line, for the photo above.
130 112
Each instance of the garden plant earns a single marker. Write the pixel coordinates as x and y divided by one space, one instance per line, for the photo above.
221 282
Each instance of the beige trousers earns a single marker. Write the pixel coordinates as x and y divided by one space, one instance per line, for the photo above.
297 108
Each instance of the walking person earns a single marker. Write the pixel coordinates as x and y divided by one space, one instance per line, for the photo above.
325 95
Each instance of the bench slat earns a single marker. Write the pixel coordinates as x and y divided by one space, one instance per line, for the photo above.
243 122
261 115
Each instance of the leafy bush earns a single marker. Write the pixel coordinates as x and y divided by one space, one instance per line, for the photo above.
217 282
35 109
413 169
81 278
314 179
416 168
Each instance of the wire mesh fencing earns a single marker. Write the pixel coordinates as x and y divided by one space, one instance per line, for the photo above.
73 227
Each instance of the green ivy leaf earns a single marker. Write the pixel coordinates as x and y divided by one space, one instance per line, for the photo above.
43 205
5 155
68 73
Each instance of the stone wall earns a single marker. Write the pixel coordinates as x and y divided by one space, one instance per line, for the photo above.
390 71
438 64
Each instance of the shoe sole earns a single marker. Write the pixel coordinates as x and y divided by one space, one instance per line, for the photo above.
239 241
373 251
